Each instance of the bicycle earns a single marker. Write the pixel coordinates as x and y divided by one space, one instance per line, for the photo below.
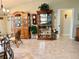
8 52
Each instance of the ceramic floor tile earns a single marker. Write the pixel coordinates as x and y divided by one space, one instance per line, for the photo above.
64 48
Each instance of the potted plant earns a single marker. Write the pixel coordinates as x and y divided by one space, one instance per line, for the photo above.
33 30
44 6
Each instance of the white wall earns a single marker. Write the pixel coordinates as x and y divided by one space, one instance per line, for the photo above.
70 23
9 26
75 22
3 26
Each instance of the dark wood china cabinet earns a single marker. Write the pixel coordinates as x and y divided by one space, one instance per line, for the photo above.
44 22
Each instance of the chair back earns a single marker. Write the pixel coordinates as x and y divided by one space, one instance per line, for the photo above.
18 34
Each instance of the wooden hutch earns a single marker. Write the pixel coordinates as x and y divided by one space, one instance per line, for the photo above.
44 22
20 21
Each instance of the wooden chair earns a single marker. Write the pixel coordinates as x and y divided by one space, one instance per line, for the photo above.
17 38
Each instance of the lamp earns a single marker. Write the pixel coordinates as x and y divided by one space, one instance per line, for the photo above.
5 11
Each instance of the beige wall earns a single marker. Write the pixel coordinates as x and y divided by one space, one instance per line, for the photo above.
3 26
32 5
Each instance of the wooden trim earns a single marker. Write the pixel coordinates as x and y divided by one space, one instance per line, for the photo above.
44 11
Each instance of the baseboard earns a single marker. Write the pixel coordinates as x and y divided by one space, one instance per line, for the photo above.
66 35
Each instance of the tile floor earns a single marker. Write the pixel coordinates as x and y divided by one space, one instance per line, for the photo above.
63 48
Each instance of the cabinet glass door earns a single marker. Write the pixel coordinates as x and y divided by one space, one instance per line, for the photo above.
49 21
43 18
18 21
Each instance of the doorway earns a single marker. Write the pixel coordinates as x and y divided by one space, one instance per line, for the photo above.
65 22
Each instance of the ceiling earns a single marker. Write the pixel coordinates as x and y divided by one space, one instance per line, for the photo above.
33 4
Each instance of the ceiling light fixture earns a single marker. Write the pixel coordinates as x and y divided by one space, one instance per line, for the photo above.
4 9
